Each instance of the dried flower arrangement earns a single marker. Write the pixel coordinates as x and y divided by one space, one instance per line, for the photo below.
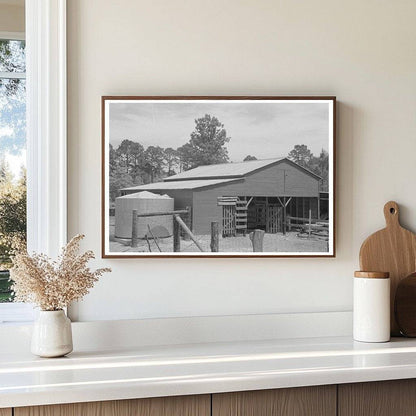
53 285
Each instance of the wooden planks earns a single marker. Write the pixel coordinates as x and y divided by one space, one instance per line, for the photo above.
160 406
301 401
241 216
274 220
385 398
228 221
382 398
393 250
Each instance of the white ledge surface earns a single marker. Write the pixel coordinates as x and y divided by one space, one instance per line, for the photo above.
153 371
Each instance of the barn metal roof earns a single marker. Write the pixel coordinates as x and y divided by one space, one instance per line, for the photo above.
191 184
230 170
222 170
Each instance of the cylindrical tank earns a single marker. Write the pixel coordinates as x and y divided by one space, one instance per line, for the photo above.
144 202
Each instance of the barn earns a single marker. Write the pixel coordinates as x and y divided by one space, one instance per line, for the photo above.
257 194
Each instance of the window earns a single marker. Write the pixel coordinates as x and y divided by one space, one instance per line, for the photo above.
12 155
45 90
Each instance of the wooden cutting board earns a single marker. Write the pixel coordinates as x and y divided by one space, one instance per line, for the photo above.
393 250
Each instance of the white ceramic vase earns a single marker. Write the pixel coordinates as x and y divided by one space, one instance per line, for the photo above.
52 334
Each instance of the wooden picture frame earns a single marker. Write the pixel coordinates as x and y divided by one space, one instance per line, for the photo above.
175 183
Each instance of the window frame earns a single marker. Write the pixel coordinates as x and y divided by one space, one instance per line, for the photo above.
46 125
46 137
12 35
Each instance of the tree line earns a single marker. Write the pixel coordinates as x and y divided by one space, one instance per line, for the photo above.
132 164
301 155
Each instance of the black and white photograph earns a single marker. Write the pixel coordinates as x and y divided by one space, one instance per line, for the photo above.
218 176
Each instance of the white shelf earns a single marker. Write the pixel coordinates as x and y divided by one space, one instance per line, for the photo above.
150 371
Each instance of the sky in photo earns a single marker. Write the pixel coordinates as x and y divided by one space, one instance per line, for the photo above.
264 130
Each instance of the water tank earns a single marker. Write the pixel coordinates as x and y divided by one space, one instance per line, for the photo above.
144 202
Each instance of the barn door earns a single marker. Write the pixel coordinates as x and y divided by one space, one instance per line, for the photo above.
228 221
274 219
261 215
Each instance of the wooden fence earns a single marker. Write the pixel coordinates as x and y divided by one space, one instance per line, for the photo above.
178 225
306 227
309 227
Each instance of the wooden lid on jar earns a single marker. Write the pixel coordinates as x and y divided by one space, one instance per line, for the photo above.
372 275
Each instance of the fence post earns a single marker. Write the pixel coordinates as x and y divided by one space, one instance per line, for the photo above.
187 221
284 221
214 236
134 239
187 230
310 222
284 216
176 235
256 238
289 223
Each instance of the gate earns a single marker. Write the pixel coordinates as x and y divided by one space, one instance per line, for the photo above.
228 221
274 219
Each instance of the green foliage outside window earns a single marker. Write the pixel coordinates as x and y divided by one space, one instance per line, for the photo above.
12 145
12 223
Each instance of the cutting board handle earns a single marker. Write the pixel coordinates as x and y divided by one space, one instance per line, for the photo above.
391 214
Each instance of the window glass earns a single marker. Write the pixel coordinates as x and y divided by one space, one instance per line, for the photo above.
12 56
12 156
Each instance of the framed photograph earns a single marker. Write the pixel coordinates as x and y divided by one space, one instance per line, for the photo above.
218 176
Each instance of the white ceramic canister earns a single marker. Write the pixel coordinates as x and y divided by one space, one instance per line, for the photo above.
371 307
52 334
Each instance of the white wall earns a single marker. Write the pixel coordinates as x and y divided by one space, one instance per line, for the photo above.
361 51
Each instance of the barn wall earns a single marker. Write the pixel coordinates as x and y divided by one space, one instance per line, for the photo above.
183 198
267 182
270 182
205 209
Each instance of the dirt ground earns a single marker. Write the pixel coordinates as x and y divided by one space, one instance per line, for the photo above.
241 244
